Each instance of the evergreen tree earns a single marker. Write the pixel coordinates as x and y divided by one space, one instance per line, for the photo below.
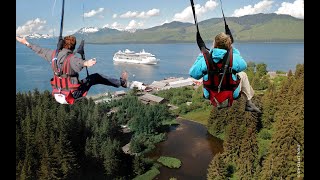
247 161
231 144
30 164
138 166
44 171
217 168
217 121
288 133
110 152
269 107
26 172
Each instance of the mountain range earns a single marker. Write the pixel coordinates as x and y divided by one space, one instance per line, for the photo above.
258 27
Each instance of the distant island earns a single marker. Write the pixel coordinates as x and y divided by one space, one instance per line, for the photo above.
249 28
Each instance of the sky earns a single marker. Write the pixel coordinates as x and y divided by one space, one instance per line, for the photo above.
44 16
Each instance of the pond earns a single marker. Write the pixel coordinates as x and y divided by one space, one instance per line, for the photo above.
191 143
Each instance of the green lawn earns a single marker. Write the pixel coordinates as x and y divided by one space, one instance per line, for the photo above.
200 116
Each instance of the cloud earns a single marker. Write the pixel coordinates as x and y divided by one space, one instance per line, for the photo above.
153 12
93 13
114 25
114 16
143 14
187 16
129 14
295 9
134 25
72 31
30 27
260 7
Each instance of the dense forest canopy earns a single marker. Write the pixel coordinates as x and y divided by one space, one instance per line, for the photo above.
270 146
84 140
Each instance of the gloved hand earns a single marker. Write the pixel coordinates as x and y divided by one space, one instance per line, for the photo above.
60 44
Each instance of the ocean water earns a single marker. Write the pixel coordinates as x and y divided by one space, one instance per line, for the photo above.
175 60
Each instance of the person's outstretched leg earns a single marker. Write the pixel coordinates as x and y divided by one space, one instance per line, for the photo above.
248 91
97 78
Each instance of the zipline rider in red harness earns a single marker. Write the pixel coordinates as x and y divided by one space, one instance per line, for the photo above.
66 86
221 69
210 66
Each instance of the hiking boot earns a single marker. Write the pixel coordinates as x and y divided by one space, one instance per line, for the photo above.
124 79
252 107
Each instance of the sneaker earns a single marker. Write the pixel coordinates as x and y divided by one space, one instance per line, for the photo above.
252 107
124 79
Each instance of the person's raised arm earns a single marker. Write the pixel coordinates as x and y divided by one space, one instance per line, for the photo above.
42 52
23 40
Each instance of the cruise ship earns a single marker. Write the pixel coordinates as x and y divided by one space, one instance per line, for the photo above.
128 56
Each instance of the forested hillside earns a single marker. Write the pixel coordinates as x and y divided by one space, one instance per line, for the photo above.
257 27
267 146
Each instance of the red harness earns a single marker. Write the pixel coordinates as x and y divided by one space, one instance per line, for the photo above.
62 88
224 98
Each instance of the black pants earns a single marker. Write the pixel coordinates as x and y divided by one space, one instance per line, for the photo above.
94 79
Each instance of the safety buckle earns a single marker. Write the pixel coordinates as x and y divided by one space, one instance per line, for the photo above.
220 72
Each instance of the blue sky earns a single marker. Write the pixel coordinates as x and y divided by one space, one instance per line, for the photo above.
43 16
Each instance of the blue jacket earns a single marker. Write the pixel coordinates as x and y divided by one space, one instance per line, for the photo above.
199 67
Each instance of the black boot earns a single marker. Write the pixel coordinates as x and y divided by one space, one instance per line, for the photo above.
252 107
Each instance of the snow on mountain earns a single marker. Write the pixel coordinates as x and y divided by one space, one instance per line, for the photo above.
93 30
88 30
38 36
130 30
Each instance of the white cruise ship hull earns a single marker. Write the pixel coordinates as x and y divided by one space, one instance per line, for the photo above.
143 61
128 56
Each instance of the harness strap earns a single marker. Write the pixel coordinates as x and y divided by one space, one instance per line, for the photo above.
61 79
60 41
227 30
226 58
